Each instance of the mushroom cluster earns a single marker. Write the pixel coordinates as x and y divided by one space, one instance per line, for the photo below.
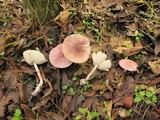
75 48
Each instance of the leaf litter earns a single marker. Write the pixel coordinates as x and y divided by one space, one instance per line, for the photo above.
120 29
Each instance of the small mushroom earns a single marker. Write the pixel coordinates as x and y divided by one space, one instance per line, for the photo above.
100 62
129 65
34 57
57 58
76 48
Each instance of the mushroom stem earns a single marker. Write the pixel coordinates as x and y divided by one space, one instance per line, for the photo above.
83 81
39 86
91 72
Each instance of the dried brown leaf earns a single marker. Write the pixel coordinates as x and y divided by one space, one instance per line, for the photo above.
155 65
42 102
21 92
109 107
128 101
6 104
132 27
16 21
89 94
29 115
154 81
64 16
88 102
66 101
53 115
157 48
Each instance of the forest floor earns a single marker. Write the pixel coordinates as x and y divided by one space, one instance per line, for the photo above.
122 29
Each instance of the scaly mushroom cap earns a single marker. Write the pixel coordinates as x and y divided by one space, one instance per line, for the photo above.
128 65
76 48
57 59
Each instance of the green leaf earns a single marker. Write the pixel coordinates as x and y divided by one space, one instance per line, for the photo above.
137 99
143 87
154 98
72 91
142 93
152 89
95 114
149 94
18 112
78 117
2 54
136 88
129 112
83 110
148 101
89 117
64 87
74 78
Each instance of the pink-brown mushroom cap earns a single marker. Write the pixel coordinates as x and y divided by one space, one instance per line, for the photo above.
57 57
128 65
76 48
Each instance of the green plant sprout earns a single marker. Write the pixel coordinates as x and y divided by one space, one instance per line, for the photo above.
17 115
150 6
87 115
140 55
2 54
138 36
92 26
145 94
129 112
6 19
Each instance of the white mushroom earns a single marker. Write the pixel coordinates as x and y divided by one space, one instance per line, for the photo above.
100 62
34 57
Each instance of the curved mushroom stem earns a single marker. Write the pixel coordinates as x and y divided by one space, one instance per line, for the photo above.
39 86
83 81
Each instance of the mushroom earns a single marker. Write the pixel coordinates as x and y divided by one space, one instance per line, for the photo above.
129 65
57 58
100 62
34 57
76 48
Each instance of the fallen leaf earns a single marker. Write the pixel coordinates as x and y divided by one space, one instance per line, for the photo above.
155 65
64 16
109 107
16 21
21 92
88 102
29 115
6 104
154 81
122 112
132 27
42 102
66 101
157 48
128 101
89 94
53 115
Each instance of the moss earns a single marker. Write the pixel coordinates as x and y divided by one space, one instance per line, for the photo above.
42 10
